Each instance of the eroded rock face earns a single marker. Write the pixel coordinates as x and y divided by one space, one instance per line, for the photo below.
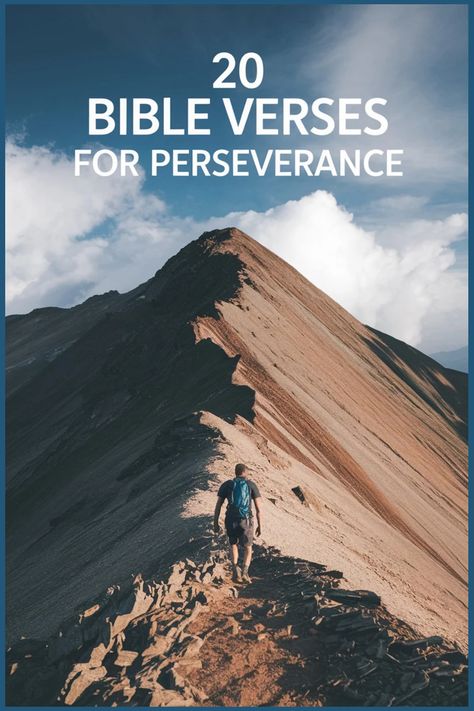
130 643
147 643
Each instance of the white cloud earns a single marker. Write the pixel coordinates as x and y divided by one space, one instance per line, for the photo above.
391 288
69 238
415 56
48 211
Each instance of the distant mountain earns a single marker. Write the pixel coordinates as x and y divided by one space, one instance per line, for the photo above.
125 413
456 360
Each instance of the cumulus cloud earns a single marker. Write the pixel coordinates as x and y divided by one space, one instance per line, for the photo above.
49 213
402 53
391 288
69 238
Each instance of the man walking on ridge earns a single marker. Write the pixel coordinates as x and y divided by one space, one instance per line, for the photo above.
239 493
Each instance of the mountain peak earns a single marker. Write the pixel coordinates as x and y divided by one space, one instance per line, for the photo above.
223 235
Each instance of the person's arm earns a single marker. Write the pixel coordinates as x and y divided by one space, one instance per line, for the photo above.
258 510
217 513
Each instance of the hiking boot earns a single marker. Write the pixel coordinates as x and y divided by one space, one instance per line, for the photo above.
237 575
246 577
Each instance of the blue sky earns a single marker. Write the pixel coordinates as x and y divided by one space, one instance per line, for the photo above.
415 56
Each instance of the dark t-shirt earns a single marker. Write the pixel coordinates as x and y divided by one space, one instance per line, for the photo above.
225 492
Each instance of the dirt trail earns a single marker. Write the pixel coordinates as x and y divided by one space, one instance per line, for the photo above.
284 640
256 650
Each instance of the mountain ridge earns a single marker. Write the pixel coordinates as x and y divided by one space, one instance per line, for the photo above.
229 354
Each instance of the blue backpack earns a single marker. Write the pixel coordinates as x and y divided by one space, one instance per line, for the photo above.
240 499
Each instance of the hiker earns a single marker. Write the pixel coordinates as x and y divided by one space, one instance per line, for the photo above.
239 493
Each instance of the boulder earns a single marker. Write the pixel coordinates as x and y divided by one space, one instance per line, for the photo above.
125 658
157 648
176 578
169 697
189 647
80 678
353 597
136 603
409 646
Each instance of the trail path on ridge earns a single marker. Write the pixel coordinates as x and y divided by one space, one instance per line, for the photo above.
266 647
294 636
250 658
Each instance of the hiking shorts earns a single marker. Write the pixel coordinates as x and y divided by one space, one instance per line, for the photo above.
240 531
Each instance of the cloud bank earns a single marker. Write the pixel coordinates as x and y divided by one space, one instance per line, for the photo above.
69 238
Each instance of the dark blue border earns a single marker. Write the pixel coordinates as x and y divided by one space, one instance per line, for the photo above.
2 365
3 3
470 355
3 6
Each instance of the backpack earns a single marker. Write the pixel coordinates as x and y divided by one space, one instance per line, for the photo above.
240 499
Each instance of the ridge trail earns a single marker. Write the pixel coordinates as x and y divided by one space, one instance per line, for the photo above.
293 637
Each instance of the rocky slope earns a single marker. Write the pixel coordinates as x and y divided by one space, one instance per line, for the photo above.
294 637
125 413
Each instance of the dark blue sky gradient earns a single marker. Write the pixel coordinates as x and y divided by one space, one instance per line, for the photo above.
59 56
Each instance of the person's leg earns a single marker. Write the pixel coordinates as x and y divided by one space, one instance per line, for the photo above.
247 540
247 558
234 553
234 556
